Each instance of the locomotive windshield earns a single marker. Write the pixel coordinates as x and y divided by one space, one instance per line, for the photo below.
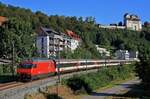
27 66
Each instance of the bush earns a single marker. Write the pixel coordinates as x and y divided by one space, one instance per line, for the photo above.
77 83
143 71
91 81
1 69
53 96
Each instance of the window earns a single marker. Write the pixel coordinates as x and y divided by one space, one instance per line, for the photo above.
135 27
27 66
42 52
42 40
42 43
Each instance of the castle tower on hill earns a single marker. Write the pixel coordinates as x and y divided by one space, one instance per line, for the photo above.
132 22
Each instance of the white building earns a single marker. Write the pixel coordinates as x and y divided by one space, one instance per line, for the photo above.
50 42
132 22
75 40
102 51
111 27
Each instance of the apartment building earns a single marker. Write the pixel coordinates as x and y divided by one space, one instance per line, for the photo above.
50 43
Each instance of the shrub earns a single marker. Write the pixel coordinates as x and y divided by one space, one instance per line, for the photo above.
143 71
53 96
91 81
77 83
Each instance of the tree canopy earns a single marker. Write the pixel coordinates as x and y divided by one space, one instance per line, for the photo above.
22 24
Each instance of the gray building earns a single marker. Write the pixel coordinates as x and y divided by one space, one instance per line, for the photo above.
133 54
125 54
122 54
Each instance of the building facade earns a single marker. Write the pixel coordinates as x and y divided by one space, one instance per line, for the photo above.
132 22
133 55
125 54
74 40
50 43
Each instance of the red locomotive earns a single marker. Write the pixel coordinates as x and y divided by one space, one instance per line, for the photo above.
35 68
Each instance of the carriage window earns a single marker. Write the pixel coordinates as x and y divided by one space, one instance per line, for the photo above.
27 66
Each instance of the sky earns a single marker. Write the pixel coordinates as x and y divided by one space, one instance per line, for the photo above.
104 11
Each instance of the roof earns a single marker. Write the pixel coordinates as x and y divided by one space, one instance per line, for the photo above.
2 20
131 17
72 35
46 31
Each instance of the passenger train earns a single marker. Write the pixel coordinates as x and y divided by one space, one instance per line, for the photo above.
36 68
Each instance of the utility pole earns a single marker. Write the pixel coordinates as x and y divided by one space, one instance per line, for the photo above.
59 80
105 61
58 69
86 62
13 54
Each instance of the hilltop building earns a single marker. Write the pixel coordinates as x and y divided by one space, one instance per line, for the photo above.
132 22
50 42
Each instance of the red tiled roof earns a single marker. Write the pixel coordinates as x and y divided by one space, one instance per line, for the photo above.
72 35
2 20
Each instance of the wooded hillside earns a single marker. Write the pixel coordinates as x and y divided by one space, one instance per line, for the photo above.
22 23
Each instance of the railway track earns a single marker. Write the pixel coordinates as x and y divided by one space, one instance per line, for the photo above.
9 85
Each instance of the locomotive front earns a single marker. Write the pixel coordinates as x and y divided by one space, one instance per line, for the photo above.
25 70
